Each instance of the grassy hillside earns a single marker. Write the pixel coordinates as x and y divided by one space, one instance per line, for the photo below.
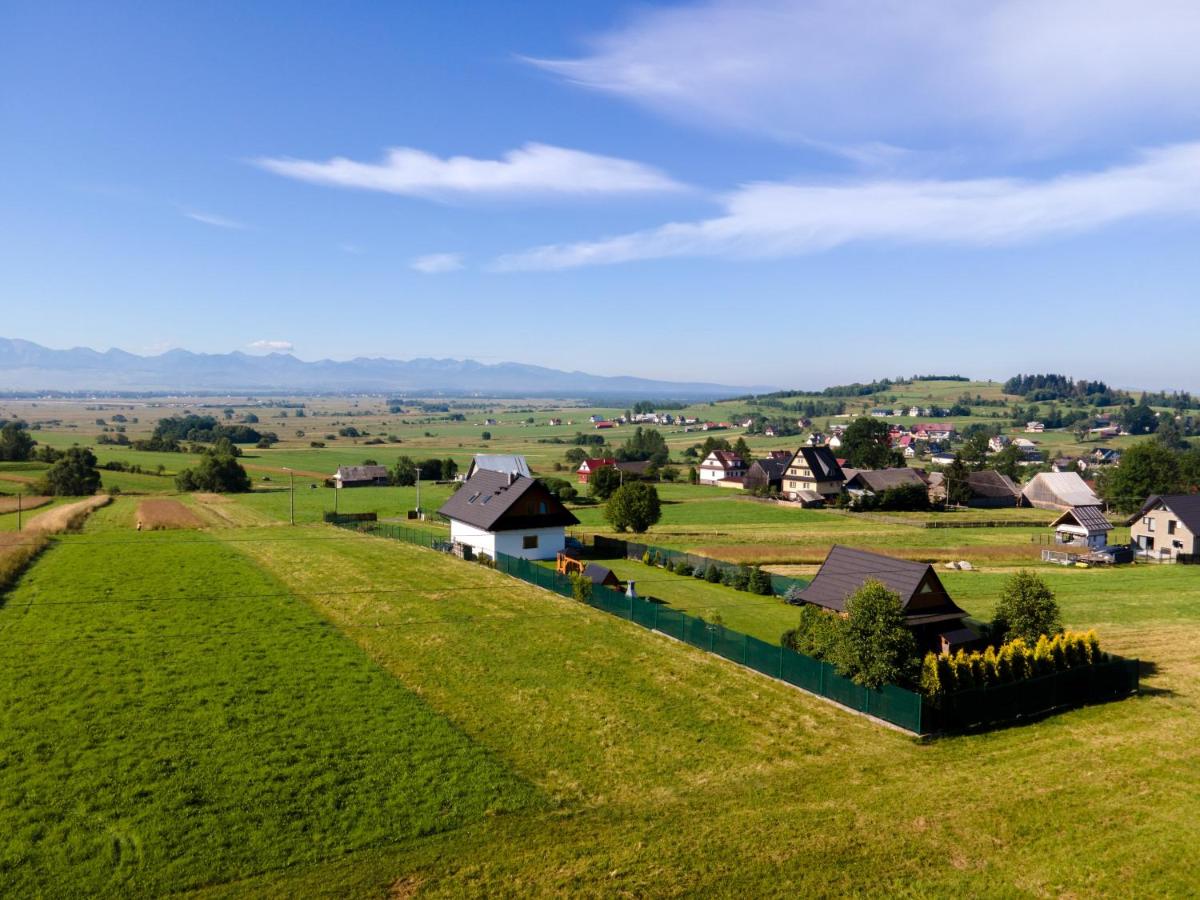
174 718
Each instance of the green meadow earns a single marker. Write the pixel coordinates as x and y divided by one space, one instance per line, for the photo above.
174 717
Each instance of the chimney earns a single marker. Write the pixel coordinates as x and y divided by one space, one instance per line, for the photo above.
629 590
511 476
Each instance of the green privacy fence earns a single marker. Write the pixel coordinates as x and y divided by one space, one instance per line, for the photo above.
964 710
986 707
615 547
892 704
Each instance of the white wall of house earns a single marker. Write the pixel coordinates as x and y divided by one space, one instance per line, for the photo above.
549 541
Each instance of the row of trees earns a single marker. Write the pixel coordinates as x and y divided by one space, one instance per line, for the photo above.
1015 660
1150 467
741 578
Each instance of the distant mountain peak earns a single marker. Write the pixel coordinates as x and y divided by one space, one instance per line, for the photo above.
26 366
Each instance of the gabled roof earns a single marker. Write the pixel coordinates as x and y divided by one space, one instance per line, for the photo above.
845 570
596 462
1087 517
726 459
499 462
598 574
821 462
878 480
1185 507
990 483
771 468
1061 489
360 473
492 501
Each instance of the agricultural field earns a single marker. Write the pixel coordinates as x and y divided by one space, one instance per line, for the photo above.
233 707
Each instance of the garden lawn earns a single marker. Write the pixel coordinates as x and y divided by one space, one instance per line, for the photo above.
765 618
676 772
172 717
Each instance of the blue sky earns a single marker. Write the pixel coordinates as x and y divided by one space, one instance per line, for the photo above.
790 193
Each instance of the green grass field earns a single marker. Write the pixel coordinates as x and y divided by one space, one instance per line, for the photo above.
173 718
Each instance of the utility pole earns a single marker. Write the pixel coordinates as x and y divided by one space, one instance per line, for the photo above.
418 491
18 511
291 497
335 493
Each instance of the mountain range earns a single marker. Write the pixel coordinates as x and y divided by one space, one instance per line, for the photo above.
26 366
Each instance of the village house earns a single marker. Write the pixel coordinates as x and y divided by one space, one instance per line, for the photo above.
1034 427
813 475
934 431
881 413
937 623
360 476
590 467
721 465
834 442
767 474
876 481
498 462
494 512
998 442
1167 526
942 458
1082 526
554 422
1058 490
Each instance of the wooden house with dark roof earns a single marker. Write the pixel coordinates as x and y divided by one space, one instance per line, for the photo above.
498 512
936 621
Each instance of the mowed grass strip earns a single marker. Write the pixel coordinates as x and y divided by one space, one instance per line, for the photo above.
680 773
160 514
171 718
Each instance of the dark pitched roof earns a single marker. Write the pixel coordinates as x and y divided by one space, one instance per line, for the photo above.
1186 508
634 466
771 468
845 570
1089 517
361 473
990 483
598 574
491 501
881 479
821 461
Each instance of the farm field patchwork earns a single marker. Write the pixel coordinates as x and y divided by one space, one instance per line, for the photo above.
173 718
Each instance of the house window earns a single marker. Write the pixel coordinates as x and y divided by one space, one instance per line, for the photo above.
1171 526
1149 523
529 542
542 508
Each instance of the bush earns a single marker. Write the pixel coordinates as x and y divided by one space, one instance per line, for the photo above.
1013 661
581 588
683 568
634 506
878 647
73 475
819 634
1027 609
712 574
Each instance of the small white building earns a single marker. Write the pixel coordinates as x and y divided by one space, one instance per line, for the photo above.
1082 526
498 512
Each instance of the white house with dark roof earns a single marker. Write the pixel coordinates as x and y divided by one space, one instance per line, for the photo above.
497 512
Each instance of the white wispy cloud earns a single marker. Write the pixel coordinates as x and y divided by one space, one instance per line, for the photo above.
1033 75
437 263
783 219
272 346
214 220
530 170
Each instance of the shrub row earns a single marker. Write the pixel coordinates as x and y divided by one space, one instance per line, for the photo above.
751 579
1014 661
